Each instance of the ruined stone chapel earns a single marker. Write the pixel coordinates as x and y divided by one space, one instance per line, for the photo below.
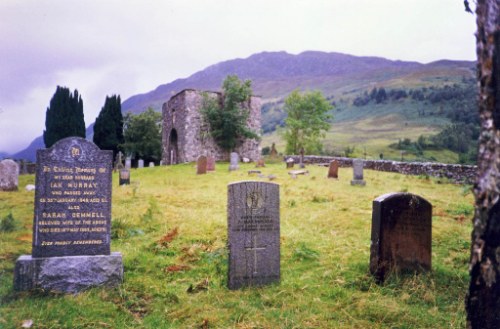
185 135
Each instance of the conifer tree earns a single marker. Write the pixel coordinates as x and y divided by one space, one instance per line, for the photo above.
108 128
64 116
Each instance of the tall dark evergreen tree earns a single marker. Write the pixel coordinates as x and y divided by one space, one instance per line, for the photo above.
108 128
64 116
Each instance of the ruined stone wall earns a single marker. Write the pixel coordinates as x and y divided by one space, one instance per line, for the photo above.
454 172
182 114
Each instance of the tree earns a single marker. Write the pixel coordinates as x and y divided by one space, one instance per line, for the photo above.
142 134
307 121
108 128
227 120
64 116
483 298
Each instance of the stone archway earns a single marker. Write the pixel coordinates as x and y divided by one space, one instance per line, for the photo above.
173 148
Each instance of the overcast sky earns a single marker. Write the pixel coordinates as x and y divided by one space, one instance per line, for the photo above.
127 47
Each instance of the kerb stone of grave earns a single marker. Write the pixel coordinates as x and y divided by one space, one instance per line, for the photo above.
140 163
357 167
72 221
234 161
201 165
253 234
333 169
210 163
401 237
9 175
124 177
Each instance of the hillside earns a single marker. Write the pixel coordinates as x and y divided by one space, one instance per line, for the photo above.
340 77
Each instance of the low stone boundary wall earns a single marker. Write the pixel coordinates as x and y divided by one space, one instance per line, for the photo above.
455 172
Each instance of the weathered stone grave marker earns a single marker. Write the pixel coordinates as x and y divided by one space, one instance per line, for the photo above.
357 167
124 178
260 163
253 234
235 159
401 235
9 175
151 164
140 163
301 160
72 221
210 163
119 161
289 163
333 169
201 165
128 162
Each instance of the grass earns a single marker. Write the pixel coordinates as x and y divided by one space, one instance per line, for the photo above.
171 227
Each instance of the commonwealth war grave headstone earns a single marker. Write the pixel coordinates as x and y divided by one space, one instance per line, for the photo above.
72 221
201 165
9 175
401 236
253 234
357 167
235 159
333 169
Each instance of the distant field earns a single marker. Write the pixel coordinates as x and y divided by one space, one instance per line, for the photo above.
325 245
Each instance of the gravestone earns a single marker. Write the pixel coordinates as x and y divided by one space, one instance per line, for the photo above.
274 152
357 167
234 161
253 234
124 178
260 163
24 167
119 161
210 163
151 164
289 163
301 161
401 235
201 165
9 175
128 163
333 169
72 221
140 163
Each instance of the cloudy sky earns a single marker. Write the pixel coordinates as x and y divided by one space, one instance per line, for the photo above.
127 47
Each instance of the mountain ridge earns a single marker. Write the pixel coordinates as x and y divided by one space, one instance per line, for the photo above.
275 74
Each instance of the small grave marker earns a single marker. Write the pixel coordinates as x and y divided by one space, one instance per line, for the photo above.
124 178
235 158
253 234
128 163
357 166
401 237
9 175
333 169
140 163
201 165
210 163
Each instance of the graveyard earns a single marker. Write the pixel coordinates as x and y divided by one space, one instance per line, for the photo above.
170 224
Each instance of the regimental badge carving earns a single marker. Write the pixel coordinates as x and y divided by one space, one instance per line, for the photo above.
255 200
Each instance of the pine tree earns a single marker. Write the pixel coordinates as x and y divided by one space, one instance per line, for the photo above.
64 116
108 128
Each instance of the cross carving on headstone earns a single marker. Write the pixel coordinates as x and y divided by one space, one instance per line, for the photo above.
254 248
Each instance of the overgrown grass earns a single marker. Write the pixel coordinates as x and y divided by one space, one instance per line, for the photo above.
171 227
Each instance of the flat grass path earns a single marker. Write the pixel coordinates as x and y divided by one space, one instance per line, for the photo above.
171 227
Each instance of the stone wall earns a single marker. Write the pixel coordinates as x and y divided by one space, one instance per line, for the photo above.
185 136
454 172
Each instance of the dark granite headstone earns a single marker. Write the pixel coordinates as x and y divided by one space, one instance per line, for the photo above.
9 175
210 163
72 200
201 165
124 178
333 169
253 234
401 235
72 221
357 167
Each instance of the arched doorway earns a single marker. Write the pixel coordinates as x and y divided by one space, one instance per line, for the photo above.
173 149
